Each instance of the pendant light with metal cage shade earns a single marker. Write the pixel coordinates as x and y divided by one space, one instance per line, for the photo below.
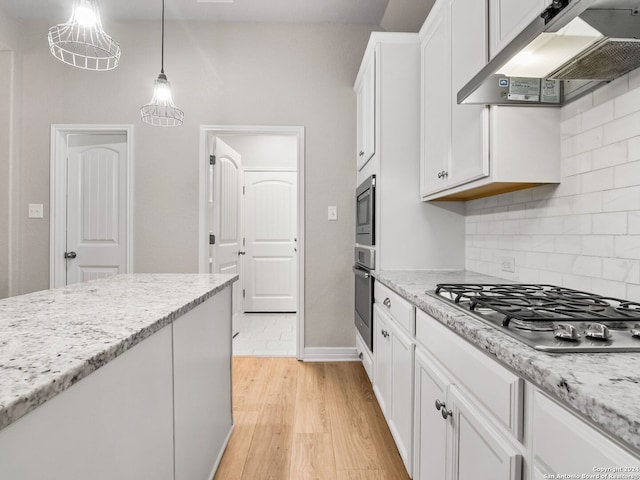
161 111
81 42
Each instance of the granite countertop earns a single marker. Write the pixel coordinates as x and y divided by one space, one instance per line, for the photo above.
51 339
603 387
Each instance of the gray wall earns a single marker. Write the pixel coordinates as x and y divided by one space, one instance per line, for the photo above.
221 74
265 151
6 68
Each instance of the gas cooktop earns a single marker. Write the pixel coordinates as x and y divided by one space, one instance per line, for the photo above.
548 317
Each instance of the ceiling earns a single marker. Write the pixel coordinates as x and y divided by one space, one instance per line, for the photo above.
400 15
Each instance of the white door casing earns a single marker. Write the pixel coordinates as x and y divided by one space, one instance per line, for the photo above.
270 264
206 133
226 188
90 202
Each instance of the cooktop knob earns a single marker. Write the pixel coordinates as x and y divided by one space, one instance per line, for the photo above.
566 331
597 331
635 331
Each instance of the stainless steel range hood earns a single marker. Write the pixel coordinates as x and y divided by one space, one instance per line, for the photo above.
573 47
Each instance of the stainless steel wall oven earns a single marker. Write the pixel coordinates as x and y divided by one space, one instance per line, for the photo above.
364 263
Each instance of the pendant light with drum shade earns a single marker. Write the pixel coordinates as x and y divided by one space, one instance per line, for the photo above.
161 111
81 42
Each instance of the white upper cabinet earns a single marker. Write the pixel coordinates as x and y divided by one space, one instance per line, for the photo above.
366 112
473 151
508 18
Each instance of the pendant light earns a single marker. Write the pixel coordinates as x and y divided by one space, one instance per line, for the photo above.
81 42
161 111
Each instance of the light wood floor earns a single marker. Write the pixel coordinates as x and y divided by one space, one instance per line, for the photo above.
297 421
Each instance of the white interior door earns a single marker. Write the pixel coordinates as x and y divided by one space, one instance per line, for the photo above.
270 231
226 178
97 206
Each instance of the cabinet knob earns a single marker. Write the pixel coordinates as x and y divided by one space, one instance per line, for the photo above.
361 153
445 174
384 333
387 302
439 174
443 409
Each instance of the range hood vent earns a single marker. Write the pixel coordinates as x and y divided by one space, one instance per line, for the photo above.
573 47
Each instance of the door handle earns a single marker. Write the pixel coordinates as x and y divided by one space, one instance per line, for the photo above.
387 302
70 255
241 252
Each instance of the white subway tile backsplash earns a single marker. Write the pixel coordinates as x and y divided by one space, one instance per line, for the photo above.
627 103
577 224
596 181
627 175
585 232
574 108
621 270
597 116
621 199
609 223
633 223
598 245
627 246
621 129
610 155
611 91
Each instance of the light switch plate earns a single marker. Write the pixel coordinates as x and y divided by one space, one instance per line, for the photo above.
332 213
36 210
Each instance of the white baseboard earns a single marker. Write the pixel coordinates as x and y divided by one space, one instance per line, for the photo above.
330 354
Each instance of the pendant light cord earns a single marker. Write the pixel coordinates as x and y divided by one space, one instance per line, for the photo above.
162 51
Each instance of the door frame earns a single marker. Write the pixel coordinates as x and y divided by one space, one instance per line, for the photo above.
58 192
203 234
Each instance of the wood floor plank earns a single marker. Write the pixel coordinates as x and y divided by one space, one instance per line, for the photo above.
312 457
296 420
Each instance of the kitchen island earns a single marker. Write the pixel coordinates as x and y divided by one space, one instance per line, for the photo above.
602 388
127 377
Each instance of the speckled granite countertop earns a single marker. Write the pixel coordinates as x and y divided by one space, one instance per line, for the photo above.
603 387
51 339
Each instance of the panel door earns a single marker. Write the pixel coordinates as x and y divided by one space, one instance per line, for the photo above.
509 18
478 451
97 206
381 360
436 105
366 114
430 445
270 266
401 423
469 123
225 198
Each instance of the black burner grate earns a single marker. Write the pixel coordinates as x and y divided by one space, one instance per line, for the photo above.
530 303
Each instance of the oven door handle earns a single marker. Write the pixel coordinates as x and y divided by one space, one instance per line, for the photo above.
361 273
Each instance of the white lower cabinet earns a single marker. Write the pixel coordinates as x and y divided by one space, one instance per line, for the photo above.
393 385
453 438
565 445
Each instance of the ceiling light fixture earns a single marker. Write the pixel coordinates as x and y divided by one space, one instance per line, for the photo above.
161 111
81 42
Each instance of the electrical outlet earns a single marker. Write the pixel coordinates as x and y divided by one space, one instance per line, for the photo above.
508 264
36 210
332 213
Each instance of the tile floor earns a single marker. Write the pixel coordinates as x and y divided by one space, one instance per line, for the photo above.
266 335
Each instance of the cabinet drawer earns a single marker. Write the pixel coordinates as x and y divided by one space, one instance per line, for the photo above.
396 306
365 355
498 390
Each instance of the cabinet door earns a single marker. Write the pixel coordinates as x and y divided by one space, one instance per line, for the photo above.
436 104
430 445
381 360
469 123
478 451
509 18
562 443
202 386
401 418
366 114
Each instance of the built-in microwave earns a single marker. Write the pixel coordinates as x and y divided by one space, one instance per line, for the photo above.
366 212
